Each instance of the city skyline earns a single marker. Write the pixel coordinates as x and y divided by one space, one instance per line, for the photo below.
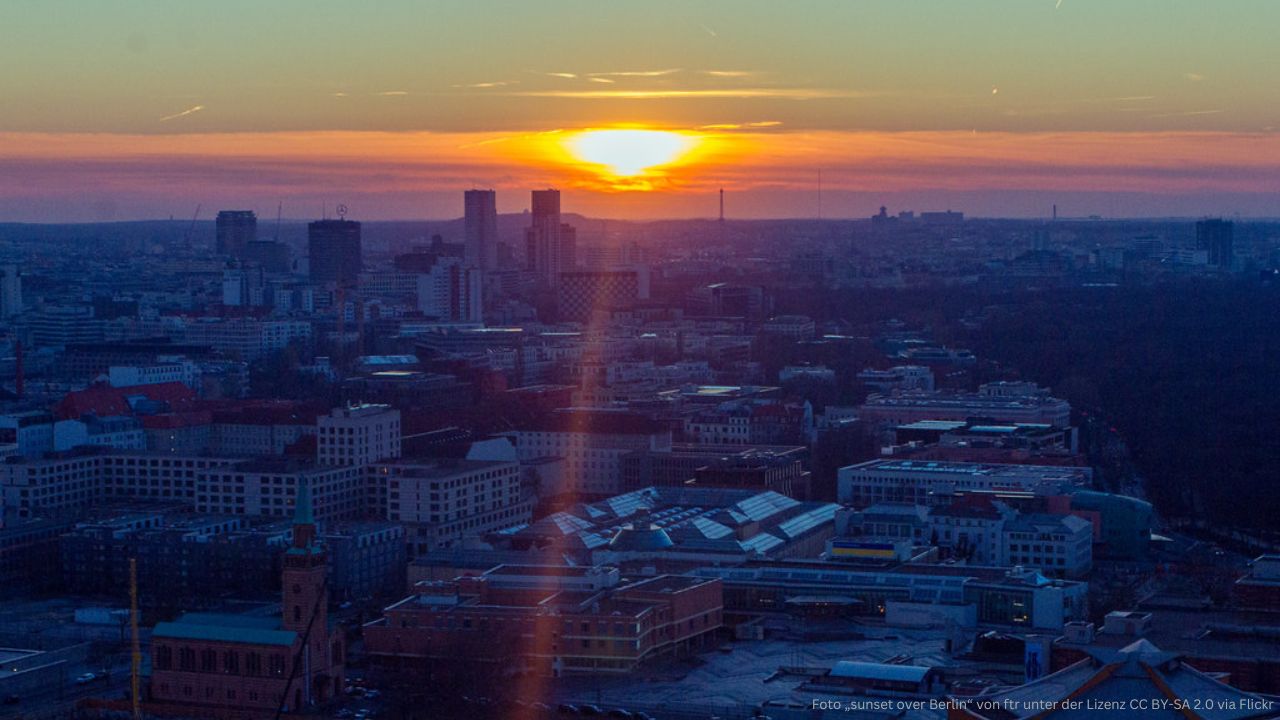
1131 109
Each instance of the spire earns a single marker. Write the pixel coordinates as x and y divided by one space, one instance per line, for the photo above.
302 511
304 518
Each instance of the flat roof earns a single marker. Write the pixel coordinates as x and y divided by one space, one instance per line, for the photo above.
849 669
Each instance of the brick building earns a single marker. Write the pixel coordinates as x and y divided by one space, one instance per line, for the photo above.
249 666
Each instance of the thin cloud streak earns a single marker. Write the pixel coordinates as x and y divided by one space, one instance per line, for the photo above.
635 73
189 111
1188 113
741 93
482 85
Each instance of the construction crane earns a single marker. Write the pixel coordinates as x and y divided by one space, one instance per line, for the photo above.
135 658
191 229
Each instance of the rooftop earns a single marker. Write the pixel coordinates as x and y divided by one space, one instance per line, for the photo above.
243 629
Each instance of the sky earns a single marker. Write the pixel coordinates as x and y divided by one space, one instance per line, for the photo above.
141 109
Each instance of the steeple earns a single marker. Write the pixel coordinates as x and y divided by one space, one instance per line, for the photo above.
304 518
304 567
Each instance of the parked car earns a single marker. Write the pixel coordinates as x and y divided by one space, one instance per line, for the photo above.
567 709
86 678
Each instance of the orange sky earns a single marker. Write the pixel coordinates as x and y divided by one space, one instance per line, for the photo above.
378 174
146 108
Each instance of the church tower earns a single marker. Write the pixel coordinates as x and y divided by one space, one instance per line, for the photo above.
304 570
306 597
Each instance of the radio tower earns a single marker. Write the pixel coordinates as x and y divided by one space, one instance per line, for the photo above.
721 204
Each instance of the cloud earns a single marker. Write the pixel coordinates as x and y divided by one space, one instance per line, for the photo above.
1188 113
739 93
392 93
189 111
481 85
730 73
338 94
635 73
742 126
1193 77
708 30
602 80
565 75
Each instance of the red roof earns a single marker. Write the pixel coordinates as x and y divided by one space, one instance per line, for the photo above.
177 420
104 400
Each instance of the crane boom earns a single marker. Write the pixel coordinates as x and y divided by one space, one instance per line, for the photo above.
135 656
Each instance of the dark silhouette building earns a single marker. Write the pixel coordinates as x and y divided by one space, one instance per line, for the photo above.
334 248
481 228
1216 237
235 229
550 244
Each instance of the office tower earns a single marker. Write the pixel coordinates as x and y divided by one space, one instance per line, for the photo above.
451 291
550 244
235 230
481 228
10 292
1216 237
334 248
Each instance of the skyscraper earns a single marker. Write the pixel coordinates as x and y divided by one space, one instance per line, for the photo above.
481 225
550 244
10 291
235 229
1217 238
334 248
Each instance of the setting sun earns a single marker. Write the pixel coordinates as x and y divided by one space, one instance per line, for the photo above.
627 153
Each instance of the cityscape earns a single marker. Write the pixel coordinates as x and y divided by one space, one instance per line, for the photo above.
645 387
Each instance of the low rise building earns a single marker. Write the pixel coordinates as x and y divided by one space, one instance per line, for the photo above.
441 502
930 482
551 621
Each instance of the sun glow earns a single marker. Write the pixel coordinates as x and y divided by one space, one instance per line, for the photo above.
628 153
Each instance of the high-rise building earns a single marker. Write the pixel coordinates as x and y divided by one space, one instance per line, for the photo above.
334 249
1216 237
481 226
10 292
235 230
550 244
